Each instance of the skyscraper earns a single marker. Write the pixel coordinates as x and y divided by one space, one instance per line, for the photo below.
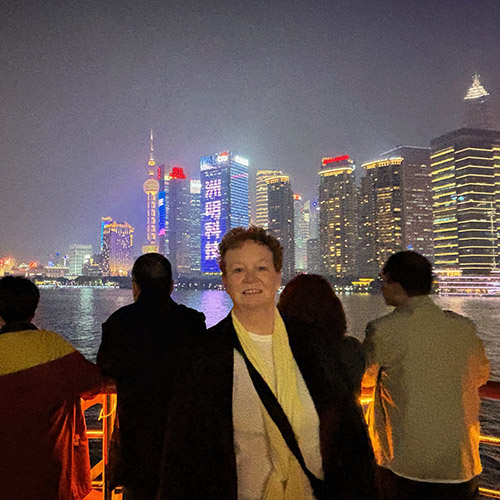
162 211
477 107
311 216
310 212
465 168
395 208
78 255
178 223
367 250
117 246
300 232
151 187
195 226
104 221
261 208
314 265
224 202
281 219
337 216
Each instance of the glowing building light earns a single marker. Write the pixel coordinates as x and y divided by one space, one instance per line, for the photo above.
240 159
336 159
177 173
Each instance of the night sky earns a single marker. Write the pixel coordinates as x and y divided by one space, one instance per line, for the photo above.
281 83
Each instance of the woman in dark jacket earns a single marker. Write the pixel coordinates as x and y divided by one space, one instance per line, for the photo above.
221 443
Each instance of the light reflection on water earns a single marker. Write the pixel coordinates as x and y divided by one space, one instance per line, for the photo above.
77 314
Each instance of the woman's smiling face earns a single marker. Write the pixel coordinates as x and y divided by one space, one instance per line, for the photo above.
250 278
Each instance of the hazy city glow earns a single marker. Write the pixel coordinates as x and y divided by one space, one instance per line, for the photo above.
282 86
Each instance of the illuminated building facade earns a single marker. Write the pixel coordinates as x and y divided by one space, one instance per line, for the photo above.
301 233
465 176
314 261
261 210
7 265
178 222
151 187
117 247
224 202
337 217
195 226
477 107
395 207
78 255
104 221
93 266
368 264
281 220
310 211
162 211
311 218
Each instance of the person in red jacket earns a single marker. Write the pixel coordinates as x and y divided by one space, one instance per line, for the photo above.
43 443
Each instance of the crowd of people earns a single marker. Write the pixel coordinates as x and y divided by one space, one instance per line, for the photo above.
265 405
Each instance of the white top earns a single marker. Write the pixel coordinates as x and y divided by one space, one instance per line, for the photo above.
253 462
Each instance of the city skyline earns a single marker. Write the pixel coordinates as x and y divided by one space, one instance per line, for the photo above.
283 86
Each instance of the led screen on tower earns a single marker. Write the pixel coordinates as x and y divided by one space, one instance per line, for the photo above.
213 209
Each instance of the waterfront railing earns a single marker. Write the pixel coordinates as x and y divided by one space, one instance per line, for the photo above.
107 402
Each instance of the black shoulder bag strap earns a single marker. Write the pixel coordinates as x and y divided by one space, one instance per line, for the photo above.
279 417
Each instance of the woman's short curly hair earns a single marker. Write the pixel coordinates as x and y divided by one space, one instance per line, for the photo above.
239 235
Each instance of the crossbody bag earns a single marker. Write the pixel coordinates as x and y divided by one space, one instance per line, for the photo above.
279 417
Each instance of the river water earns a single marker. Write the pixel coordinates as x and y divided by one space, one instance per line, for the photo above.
77 314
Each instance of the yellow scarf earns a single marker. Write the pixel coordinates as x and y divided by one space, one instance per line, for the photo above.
287 480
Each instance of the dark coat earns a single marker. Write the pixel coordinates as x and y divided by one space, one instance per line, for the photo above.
199 459
143 347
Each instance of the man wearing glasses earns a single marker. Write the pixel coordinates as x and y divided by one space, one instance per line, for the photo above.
426 365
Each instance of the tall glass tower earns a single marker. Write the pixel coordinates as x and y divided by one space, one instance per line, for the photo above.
337 216
281 225
179 219
195 226
395 207
465 168
261 201
224 202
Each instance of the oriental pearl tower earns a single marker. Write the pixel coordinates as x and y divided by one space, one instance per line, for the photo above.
151 187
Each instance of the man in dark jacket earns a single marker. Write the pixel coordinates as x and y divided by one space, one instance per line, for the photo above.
144 346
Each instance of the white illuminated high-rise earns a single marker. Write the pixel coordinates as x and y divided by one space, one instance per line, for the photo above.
78 255
261 200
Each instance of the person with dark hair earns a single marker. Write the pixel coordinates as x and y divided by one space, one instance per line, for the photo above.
311 299
426 365
144 346
257 417
411 270
43 442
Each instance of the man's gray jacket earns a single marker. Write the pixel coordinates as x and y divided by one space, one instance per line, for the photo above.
427 365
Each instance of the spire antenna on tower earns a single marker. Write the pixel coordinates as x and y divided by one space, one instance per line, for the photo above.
476 90
151 158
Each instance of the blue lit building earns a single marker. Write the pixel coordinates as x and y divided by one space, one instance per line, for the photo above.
224 202
162 211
